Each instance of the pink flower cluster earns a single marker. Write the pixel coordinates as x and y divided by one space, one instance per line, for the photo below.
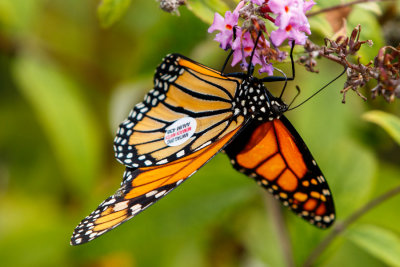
291 20
287 15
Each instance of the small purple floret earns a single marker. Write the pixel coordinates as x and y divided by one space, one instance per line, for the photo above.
225 26
287 15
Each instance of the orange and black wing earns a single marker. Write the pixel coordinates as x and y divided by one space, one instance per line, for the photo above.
184 91
274 154
141 188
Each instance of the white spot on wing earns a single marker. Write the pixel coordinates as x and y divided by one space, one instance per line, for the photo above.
152 193
162 162
111 201
203 145
161 193
121 205
92 235
327 219
136 208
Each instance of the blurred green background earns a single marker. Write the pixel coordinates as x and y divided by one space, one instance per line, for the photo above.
65 85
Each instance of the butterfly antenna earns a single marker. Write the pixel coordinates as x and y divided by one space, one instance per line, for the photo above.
292 61
294 98
320 89
284 77
251 66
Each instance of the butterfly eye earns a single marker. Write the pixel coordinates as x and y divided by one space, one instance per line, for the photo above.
276 109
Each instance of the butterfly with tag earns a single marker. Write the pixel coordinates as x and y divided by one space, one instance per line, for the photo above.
192 113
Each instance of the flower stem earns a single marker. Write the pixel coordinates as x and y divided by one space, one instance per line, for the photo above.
310 14
341 226
274 208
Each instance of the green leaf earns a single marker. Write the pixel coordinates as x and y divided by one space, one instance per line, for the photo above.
18 16
202 12
60 109
355 166
28 224
344 252
372 7
379 242
371 30
217 5
110 11
320 26
205 9
390 123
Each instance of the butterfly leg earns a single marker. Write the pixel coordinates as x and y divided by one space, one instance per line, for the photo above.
251 66
230 53
283 78
240 75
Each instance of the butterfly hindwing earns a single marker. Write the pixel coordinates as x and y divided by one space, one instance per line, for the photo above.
142 187
183 91
274 155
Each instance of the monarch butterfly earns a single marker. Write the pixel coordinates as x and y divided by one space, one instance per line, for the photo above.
191 114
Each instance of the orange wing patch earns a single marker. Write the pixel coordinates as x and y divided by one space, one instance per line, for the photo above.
141 188
276 156
289 149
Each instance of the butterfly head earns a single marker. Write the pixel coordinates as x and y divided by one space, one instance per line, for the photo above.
277 107
255 99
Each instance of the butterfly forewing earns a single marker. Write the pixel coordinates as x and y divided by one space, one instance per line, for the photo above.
141 188
274 154
184 91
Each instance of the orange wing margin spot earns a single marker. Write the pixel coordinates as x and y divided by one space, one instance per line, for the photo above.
300 196
289 150
321 210
315 194
200 68
311 204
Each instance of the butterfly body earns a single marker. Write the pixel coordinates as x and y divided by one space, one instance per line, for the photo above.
255 100
192 113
